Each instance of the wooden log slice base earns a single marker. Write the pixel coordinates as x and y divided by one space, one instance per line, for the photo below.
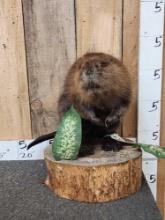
102 177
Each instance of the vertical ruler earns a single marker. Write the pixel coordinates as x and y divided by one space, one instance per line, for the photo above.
150 77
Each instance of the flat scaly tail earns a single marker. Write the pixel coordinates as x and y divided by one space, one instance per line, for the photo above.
41 139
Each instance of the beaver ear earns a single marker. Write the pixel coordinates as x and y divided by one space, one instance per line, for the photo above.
104 64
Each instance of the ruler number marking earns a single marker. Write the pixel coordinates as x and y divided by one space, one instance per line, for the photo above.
154 106
23 153
22 142
155 135
158 6
26 155
158 41
156 74
152 178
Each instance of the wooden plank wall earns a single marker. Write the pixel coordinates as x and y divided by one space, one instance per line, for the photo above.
99 26
130 59
56 32
14 100
111 27
50 46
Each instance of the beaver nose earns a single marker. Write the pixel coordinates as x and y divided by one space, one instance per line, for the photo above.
89 70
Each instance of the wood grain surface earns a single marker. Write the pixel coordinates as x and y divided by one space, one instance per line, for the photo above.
130 38
99 26
104 176
50 46
15 120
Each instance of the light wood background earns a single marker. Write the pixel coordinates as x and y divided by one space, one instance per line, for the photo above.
39 41
15 119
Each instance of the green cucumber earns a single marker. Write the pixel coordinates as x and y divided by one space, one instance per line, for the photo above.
68 137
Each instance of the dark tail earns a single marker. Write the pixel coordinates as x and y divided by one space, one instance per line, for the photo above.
41 139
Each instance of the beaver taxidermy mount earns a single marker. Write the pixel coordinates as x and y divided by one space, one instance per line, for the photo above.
98 85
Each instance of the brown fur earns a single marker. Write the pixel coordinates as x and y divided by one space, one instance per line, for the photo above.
99 86
113 93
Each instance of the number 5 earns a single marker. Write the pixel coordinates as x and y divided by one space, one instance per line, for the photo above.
152 178
154 106
158 42
22 143
156 74
155 135
158 7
